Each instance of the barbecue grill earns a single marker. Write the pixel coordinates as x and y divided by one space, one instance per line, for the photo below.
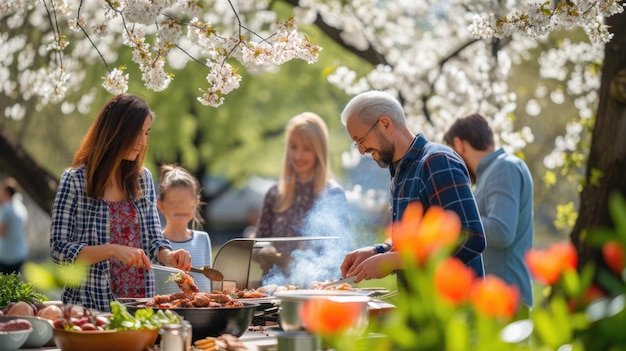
234 260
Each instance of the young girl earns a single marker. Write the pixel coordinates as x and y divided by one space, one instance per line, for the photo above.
179 197
104 213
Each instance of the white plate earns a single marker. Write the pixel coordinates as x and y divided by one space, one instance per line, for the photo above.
268 299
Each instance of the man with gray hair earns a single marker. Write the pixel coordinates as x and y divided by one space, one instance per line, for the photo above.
423 171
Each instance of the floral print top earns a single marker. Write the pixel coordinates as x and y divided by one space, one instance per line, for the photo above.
289 223
126 281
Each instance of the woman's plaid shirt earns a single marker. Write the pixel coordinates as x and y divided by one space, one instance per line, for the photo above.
78 221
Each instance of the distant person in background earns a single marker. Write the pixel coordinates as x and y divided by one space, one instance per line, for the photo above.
13 218
104 213
179 202
504 194
306 178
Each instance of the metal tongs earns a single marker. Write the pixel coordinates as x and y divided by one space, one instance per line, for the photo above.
338 282
167 268
208 272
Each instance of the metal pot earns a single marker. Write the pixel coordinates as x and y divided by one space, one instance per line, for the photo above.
212 321
291 300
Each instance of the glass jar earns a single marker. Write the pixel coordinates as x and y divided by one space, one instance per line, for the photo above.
187 334
173 337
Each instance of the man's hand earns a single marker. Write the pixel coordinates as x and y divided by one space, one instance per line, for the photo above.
354 258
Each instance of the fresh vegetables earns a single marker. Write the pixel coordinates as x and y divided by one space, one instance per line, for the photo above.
144 318
15 289
81 319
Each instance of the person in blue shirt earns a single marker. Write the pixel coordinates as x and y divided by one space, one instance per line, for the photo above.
423 171
104 214
504 194
13 218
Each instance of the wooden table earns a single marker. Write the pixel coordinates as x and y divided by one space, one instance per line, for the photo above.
256 339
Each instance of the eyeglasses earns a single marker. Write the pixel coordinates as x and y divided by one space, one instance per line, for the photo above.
357 144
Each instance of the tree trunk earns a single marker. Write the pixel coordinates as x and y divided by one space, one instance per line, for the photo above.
608 145
37 182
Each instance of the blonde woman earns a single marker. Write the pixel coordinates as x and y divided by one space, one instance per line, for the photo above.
306 179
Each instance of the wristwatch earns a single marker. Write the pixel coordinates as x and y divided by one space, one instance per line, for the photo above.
380 248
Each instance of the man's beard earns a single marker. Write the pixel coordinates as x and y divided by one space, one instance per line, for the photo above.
385 153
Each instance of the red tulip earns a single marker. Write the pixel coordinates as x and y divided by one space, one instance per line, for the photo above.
613 253
547 265
453 280
493 297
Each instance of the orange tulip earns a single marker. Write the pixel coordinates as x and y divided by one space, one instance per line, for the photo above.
329 318
453 280
493 297
613 253
547 265
420 234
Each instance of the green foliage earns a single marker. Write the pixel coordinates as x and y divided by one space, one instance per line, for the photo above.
14 289
48 276
566 216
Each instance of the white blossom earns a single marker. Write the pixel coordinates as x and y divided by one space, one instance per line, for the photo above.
116 82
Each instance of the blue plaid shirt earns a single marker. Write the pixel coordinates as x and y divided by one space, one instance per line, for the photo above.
78 221
435 175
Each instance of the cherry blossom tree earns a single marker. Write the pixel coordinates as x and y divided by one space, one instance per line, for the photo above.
443 59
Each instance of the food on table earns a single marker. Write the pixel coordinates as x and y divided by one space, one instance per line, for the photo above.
321 285
246 293
185 282
119 319
199 299
15 324
20 308
224 342
51 312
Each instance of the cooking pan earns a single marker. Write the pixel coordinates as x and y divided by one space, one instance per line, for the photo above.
210 321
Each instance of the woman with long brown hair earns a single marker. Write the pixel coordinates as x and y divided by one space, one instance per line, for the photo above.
104 214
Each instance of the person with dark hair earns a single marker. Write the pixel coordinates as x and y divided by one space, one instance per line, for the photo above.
104 213
179 202
504 194
421 170
13 218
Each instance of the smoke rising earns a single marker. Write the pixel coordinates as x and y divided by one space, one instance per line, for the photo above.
320 260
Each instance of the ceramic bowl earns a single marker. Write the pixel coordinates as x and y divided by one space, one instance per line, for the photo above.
212 321
41 334
13 340
105 340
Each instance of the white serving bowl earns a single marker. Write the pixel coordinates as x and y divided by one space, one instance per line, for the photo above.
13 340
41 334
